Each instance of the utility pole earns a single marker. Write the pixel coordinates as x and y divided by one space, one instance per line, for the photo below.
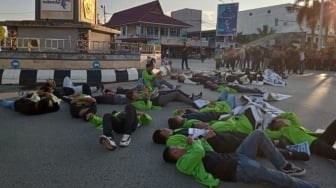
104 12
320 36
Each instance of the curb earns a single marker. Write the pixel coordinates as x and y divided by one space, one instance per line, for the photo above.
32 77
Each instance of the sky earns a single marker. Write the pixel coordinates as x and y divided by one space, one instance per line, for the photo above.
25 9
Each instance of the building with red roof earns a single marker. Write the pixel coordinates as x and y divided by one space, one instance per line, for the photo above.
146 23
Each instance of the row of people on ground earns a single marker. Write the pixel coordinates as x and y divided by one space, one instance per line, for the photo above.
196 157
227 150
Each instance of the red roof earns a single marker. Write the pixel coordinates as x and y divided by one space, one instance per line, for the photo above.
146 13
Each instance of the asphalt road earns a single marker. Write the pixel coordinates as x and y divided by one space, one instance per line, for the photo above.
56 150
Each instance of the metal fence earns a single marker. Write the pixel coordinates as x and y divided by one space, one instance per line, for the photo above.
66 45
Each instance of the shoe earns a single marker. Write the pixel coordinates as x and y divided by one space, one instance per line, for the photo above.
192 97
199 96
125 140
293 170
100 87
155 93
107 142
244 99
177 87
302 156
66 99
23 93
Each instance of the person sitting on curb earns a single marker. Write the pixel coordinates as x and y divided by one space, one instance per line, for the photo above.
151 80
288 127
124 123
221 142
209 167
40 102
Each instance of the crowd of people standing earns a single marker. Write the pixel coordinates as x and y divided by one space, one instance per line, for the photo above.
256 58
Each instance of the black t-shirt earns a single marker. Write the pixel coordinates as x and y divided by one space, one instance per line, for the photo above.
226 142
29 107
221 166
202 116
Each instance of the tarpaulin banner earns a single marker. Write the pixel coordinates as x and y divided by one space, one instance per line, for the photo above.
227 15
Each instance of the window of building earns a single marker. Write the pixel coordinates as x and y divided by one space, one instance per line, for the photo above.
290 9
123 31
152 31
143 30
164 31
251 14
269 12
175 32
276 22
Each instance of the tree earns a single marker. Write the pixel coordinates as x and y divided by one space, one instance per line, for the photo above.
328 17
2 35
265 30
242 39
310 13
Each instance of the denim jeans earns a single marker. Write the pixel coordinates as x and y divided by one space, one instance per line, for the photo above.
7 104
158 83
231 99
250 170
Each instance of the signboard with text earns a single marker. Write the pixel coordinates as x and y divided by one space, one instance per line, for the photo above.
56 5
227 15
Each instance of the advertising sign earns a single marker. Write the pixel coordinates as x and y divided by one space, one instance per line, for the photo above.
56 5
227 15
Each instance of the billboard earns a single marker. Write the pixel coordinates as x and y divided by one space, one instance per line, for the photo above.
56 5
227 15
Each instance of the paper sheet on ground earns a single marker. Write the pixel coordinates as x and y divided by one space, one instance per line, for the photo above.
196 132
303 147
200 103
273 78
269 96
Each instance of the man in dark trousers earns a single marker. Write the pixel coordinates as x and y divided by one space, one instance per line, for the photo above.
124 122
209 167
185 55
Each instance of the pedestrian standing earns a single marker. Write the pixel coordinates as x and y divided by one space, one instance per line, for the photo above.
218 56
302 60
185 55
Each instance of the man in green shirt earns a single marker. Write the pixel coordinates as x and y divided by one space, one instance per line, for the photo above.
209 167
151 80
288 126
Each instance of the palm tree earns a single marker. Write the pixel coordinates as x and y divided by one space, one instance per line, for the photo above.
328 17
309 13
265 30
